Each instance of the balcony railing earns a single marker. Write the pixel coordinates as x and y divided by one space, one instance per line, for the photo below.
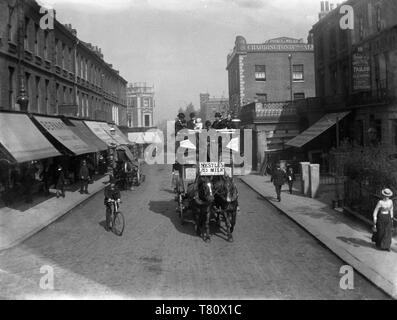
269 111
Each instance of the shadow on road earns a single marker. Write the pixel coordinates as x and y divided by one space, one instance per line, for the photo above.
168 209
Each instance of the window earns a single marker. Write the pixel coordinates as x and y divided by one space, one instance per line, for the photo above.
63 56
36 41
378 18
297 72
260 73
147 120
11 87
361 27
58 93
64 97
10 24
262 97
299 95
57 43
71 60
46 55
26 39
47 96
146 103
38 95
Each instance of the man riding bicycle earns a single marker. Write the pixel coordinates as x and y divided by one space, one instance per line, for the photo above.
112 193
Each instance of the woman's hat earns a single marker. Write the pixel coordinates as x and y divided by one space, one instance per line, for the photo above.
387 192
181 115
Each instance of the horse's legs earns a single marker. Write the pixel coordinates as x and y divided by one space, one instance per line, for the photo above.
207 223
234 217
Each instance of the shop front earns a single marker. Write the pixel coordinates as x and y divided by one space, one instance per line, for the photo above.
23 149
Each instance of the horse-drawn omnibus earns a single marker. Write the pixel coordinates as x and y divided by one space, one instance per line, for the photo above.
206 188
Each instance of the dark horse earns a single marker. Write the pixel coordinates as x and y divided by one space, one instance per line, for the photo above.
201 198
226 203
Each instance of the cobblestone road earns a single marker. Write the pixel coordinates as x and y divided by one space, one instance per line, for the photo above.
271 257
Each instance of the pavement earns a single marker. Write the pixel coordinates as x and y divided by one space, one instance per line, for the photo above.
21 221
348 238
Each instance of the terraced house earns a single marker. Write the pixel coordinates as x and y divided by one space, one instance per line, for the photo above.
356 79
54 69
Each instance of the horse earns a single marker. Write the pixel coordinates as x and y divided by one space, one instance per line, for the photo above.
226 203
201 196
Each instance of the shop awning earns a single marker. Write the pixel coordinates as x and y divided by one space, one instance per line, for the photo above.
21 138
88 136
316 129
120 137
102 131
128 153
64 135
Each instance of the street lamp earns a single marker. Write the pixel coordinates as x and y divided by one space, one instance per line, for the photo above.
290 75
23 99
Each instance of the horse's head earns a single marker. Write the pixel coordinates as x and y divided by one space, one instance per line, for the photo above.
227 189
206 189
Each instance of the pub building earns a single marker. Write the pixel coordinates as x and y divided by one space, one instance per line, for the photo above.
32 143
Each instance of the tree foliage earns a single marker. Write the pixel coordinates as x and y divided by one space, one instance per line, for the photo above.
371 166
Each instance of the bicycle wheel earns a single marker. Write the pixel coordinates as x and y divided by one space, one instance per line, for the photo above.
118 224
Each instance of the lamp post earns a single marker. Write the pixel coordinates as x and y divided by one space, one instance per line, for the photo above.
23 98
290 75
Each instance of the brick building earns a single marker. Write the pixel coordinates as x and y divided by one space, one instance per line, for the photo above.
209 106
356 78
140 105
265 81
278 70
61 74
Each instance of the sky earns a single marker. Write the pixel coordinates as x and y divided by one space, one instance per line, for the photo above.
180 46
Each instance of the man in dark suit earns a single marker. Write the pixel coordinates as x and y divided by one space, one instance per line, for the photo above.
180 123
191 124
218 121
84 175
278 179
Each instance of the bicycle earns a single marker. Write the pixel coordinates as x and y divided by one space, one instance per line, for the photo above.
117 218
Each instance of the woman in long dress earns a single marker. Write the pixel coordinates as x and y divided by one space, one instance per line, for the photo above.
383 221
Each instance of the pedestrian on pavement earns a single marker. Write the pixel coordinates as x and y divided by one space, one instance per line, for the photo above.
84 175
46 176
383 221
28 181
111 193
290 178
102 165
60 182
278 179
